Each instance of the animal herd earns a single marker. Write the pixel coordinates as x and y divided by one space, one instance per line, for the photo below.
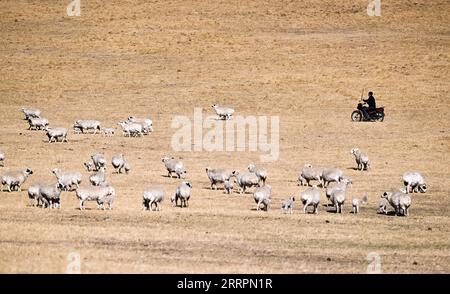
319 180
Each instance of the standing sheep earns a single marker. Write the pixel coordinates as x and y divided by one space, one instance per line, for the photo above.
14 180
338 199
183 192
34 196
287 206
331 175
246 180
2 159
309 173
261 173
67 179
399 201
174 166
153 195
362 160
31 112
104 194
228 186
216 176
131 129
50 195
382 206
119 163
146 123
86 125
311 197
343 185
108 132
56 134
414 182
262 196
355 205
99 177
37 123
99 161
223 113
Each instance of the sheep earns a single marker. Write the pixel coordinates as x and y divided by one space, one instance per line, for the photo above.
355 205
311 197
37 123
174 166
89 165
99 161
343 185
50 195
414 182
118 162
153 195
223 113
228 186
2 158
31 112
131 129
104 194
34 196
108 132
99 177
147 124
14 180
85 125
399 200
246 180
309 173
261 173
56 134
382 206
262 196
362 160
127 167
216 176
330 175
67 179
287 206
338 199
183 192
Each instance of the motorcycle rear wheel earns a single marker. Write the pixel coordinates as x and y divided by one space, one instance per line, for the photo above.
357 115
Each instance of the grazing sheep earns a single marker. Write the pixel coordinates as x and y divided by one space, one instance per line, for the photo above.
262 196
362 160
119 163
99 177
56 134
2 158
50 195
37 123
216 176
99 161
67 179
131 129
174 166
382 206
311 197
153 195
108 132
228 186
399 200
89 166
223 113
287 206
104 194
183 193
261 173
343 185
246 180
14 180
414 182
309 173
86 125
147 124
31 112
355 205
331 175
338 199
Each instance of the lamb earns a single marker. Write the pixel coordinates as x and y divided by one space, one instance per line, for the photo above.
108 132
50 195
131 129
223 113
56 134
31 112
89 165
246 180
37 123
382 206
330 175
311 197
228 186
261 173
146 123
119 163
362 160
174 166
2 158
414 182
355 205
14 180
67 179
218 176
99 177
153 195
85 125
343 185
399 200
287 206
262 196
104 194
99 161
183 192
338 199
309 173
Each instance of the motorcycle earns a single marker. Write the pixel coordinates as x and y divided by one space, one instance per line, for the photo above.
362 113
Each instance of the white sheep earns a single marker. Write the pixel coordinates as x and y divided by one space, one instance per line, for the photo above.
2 158
382 206
399 200
338 199
98 177
131 129
108 132
56 134
355 205
362 160
99 161
287 206
86 125
311 197
414 182
261 173
153 195
14 180
343 185
223 113
67 179
228 186
119 163
37 123
31 112
246 180
104 194
183 192
174 166
216 176
331 175
50 195
262 196
34 196
309 173
147 123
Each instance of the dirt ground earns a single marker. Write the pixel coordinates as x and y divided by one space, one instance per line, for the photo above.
303 61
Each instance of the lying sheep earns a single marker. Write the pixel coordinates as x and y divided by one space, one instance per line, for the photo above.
311 197
287 206
414 182
223 113
246 180
343 185
104 195
183 192
153 195
382 206
331 175
31 112
262 196
50 195
108 132
99 161
399 200
174 166
99 177
362 160
86 125
119 164
2 158
131 129
14 180
146 123
338 199
261 173
355 205
228 186
216 176
56 134
67 179
37 123
309 173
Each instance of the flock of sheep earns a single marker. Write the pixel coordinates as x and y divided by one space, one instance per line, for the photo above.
332 180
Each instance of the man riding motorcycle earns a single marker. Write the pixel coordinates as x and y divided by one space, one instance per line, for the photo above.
371 105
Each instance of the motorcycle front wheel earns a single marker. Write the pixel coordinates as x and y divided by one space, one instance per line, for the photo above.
356 115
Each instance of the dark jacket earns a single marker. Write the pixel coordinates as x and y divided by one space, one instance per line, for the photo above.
371 102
